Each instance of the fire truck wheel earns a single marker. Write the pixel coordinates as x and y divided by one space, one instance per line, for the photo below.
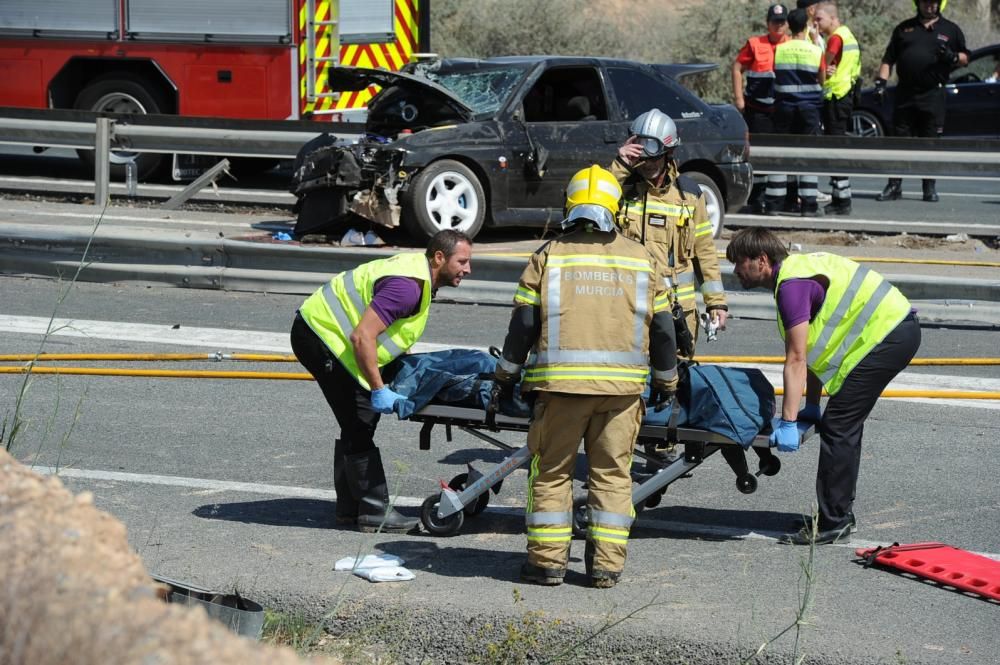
445 195
123 93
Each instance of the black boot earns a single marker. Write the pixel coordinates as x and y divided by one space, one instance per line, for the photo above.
347 505
893 190
366 477
930 192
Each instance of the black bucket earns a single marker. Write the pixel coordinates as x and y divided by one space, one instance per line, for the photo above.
241 615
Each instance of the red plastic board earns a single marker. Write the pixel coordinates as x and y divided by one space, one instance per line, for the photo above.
942 563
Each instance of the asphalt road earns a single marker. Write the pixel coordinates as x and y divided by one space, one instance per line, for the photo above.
228 484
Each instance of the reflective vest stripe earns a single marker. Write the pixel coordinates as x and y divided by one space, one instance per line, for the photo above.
664 374
661 303
712 286
608 519
343 320
703 229
527 296
538 374
551 356
549 518
685 278
876 298
838 314
608 535
596 261
796 69
550 535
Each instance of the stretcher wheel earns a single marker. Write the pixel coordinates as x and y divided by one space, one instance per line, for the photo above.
580 522
458 484
653 500
746 483
436 526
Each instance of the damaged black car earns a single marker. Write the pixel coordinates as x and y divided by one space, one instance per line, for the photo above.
466 144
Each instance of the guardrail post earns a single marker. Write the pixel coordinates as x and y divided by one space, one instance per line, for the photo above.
102 162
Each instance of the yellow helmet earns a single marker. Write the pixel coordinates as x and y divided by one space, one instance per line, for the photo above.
592 195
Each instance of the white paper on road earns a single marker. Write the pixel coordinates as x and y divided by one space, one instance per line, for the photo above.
368 561
228 340
385 574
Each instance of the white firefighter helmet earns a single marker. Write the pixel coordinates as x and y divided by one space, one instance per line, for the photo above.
656 132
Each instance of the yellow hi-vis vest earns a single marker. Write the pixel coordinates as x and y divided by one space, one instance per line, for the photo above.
839 85
861 307
597 293
334 310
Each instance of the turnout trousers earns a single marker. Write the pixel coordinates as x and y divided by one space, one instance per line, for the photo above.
844 418
609 426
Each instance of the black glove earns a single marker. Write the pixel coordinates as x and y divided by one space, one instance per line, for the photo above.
946 56
660 396
880 90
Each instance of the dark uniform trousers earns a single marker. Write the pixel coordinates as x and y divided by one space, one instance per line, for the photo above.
919 114
844 421
836 120
794 119
350 402
758 122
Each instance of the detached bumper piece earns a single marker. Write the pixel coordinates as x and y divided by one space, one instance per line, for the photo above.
944 564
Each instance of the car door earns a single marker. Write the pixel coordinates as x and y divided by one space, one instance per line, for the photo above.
560 127
973 103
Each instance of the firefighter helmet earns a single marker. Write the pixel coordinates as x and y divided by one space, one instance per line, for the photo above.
656 132
941 5
592 195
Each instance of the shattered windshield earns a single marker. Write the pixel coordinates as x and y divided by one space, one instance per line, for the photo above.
482 90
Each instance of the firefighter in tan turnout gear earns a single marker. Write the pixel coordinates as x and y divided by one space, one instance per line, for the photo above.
598 315
666 212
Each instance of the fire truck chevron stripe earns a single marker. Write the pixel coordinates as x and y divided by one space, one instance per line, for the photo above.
406 29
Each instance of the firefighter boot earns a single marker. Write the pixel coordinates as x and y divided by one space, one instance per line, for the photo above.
893 190
347 505
930 191
599 578
366 477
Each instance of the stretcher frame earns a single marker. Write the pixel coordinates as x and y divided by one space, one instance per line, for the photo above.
467 494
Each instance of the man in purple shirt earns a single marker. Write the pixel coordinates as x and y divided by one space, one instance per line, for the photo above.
854 346
347 366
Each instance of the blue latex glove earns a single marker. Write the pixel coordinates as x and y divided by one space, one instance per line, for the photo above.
384 399
785 436
810 413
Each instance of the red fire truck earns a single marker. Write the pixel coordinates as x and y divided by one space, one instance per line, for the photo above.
264 59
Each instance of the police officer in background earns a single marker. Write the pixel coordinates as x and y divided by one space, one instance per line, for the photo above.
756 101
798 88
842 62
923 49
593 305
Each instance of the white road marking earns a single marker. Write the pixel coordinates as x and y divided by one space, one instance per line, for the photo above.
222 486
225 339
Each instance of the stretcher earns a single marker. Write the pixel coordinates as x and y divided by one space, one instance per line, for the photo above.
467 494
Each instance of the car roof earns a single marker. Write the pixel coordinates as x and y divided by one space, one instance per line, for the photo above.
535 59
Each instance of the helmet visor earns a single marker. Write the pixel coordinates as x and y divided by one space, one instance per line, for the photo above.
602 218
651 146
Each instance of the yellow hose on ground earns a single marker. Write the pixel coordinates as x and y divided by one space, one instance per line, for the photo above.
293 376
777 360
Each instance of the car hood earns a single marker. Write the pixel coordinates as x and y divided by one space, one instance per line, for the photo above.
358 78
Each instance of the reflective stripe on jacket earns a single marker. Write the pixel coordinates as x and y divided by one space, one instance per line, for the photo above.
840 83
335 309
674 225
861 307
598 293
796 73
760 74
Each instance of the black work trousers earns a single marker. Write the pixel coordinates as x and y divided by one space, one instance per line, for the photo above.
350 402
836 120
758 122
844 421
794 119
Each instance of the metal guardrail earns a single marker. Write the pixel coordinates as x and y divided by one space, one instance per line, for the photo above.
772 153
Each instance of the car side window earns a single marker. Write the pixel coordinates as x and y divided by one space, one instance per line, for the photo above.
638 91
980 69
566 94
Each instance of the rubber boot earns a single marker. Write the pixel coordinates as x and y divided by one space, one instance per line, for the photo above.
366 477
930 191
347 505
893 190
